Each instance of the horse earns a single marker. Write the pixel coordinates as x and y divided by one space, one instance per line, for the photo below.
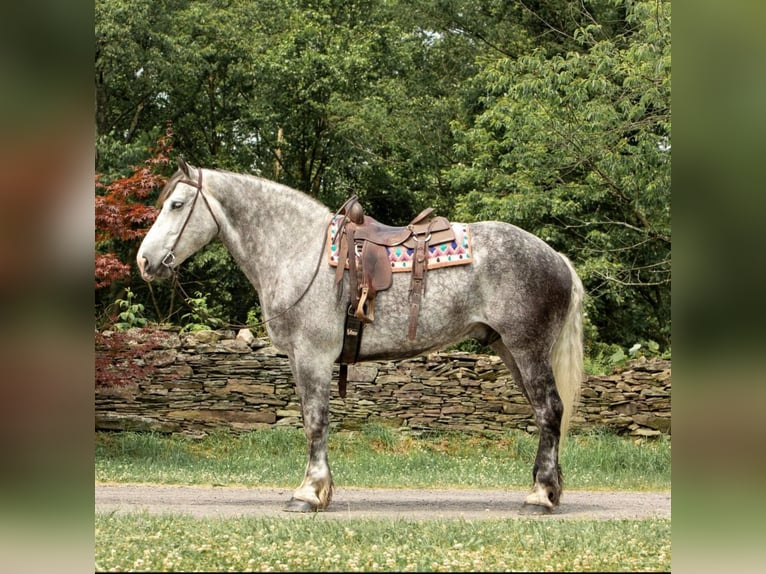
518 296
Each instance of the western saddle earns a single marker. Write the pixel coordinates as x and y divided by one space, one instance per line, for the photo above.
362 243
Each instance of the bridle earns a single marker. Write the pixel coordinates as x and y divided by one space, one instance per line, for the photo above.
170 259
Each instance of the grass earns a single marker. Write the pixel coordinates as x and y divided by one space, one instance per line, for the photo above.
378 457
381 457
175 543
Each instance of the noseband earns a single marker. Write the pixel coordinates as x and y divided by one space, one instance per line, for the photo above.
170 259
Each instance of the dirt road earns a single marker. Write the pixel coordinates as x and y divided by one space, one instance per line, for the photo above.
376 503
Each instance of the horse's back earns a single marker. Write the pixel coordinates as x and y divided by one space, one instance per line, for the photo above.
507 254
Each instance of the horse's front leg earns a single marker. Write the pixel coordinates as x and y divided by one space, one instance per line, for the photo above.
313 382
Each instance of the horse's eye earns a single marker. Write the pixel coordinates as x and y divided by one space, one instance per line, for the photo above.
176 204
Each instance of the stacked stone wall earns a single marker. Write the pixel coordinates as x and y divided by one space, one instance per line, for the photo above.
212 380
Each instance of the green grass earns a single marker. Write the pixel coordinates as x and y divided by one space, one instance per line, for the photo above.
378 457
381 457
173 543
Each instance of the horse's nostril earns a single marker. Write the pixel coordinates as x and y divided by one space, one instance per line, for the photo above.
143 264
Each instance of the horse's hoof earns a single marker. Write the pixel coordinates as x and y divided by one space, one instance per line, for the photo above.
535 509
543 496
295 505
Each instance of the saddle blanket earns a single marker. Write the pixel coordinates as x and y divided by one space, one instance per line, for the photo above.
456 252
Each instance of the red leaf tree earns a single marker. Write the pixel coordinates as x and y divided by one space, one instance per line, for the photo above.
122 215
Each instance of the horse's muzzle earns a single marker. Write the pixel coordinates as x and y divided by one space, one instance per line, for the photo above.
151 272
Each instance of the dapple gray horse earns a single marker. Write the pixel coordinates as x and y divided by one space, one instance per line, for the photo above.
519 296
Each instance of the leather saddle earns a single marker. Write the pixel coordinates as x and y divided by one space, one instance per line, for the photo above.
363 242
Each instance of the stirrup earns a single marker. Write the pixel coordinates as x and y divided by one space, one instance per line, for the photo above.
360 313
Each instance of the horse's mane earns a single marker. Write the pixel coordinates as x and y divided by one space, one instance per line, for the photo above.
297 197
179 175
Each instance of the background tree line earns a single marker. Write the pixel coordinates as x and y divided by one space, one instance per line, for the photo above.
554 116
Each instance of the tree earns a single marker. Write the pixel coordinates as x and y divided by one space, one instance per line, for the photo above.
331 97
551 115
123 216
575 147
131 80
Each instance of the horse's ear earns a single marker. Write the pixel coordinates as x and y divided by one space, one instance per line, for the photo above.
183 166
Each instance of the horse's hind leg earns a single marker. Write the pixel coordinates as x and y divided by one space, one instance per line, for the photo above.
533 373
313 383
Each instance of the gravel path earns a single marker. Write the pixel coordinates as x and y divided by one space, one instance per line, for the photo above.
209 501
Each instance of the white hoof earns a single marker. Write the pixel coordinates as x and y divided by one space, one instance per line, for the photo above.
539 497
307 494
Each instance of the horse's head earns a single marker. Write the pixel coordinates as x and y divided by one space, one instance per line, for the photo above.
185 224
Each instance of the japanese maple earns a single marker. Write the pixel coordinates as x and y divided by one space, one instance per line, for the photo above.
123 215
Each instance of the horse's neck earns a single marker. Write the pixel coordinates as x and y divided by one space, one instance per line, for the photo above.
274 233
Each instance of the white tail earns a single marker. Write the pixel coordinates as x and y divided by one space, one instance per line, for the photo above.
567 353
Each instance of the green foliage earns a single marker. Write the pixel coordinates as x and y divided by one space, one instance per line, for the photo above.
131 314
575 147
227 289
603 358
554 116
470 346
646 349
201 317
254 321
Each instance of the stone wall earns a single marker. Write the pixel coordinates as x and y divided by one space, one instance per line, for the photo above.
211 380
